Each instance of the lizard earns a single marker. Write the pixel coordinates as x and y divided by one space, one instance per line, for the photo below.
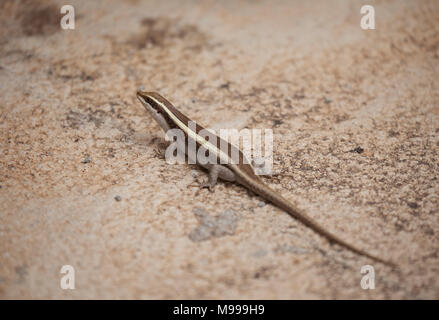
169 117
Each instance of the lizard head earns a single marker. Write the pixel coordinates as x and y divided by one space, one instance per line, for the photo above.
154 104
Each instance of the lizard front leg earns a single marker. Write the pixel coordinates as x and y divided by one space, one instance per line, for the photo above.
218 171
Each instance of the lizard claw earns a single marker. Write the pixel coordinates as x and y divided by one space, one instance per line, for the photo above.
207 185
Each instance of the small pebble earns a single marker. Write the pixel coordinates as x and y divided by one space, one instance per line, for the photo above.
118 198
413 205
358 150
261 204
87 159
225 85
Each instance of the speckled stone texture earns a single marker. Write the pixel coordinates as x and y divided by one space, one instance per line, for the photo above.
83 181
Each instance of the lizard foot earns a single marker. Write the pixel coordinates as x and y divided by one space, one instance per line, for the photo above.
207 185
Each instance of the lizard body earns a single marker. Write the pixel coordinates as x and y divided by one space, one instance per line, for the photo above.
169 117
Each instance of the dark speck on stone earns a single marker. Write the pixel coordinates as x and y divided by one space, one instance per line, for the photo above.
87 159
118 198
225 85
21 272
357 150
413 205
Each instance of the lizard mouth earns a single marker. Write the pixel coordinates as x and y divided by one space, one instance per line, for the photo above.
140 97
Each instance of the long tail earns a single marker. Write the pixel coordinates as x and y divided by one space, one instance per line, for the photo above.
285 205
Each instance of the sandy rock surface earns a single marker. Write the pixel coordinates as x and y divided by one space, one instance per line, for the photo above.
83 182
